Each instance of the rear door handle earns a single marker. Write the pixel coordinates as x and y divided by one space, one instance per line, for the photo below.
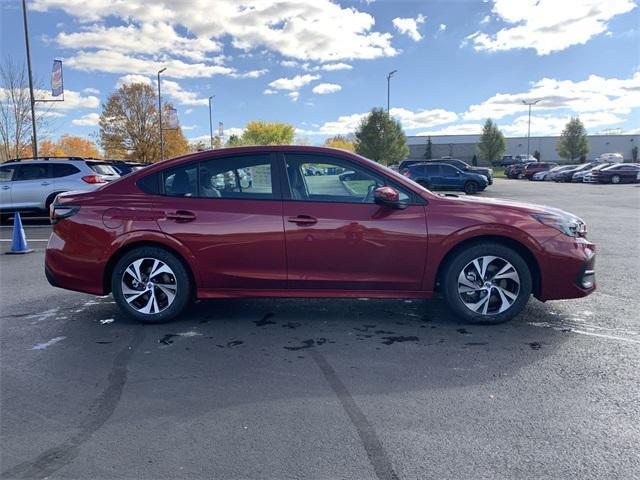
303 220
6 187
181 216
45 183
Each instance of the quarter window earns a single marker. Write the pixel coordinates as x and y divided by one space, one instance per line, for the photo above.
64 170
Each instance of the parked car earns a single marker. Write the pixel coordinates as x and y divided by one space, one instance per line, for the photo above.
567 175
532 168
516 160
616 173
440 176
578 177
310 171
516 170
125 167
393 239
465 167
549 175
30 185
610 158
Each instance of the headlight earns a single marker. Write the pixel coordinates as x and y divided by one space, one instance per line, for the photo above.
567 224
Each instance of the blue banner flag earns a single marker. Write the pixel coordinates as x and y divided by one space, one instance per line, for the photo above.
172 118
57 87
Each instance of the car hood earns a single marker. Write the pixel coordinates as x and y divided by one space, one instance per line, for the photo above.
523 207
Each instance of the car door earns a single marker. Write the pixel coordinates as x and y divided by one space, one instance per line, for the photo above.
451 177
6 177
31 186
65 177
233 227
338 238
432 174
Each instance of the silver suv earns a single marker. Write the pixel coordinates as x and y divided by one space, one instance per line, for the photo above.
31 185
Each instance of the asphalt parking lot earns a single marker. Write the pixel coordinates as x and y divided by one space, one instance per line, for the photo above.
329 388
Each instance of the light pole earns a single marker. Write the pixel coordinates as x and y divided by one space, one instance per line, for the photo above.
389 88
529 103
210 122
34 140
160 114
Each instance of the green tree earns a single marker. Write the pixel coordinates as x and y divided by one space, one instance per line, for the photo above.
259 132
573 141
474 160
234 141
428 154
492 144
381 138
342 142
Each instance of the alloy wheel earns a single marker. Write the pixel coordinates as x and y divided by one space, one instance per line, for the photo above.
149 285
488 285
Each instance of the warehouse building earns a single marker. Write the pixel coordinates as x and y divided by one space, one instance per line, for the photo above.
464 146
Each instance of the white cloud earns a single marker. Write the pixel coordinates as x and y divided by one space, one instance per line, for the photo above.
486 19
410 121
188 111
93 91
319 30
289 63
88 120
409 26
169 89
329 67
548 25
293 83
148 38
116 62
591 95
553 125
131 79
188 127
268 91
325 88
294 96
72 100
442 27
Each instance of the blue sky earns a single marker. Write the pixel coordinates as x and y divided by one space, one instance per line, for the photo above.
320 64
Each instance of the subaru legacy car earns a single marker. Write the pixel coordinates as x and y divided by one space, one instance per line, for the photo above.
164 235
30 185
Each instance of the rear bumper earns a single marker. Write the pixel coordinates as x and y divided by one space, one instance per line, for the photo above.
567 268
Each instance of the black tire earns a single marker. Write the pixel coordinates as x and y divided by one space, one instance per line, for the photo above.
471 187
182 280
519 176
615 179
455 266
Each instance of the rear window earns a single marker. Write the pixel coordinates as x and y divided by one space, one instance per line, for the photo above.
102 168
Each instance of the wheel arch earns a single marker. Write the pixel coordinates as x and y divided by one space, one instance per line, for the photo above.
126 248
519 247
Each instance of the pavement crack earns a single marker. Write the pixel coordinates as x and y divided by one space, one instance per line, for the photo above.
373 446
101 409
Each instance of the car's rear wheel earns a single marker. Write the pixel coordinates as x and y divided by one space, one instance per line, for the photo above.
487 283
615 179
471 187
151 284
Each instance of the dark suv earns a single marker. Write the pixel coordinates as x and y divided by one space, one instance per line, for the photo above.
442 176
465 167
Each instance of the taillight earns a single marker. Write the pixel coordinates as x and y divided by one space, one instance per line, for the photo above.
59 212
94 179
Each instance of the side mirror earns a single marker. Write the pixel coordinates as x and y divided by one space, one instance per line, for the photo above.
389 197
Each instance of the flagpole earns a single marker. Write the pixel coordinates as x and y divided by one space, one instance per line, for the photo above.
34 138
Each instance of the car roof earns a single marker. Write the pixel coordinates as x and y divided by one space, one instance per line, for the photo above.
44 159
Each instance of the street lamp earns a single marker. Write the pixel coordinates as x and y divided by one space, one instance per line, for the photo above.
210 122
160 115
34 140
529 103
389 88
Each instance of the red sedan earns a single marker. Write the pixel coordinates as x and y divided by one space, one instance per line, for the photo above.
191 228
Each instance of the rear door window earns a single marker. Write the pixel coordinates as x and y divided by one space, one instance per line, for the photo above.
64 170
34 171
448 171
181 181
244 176
6 173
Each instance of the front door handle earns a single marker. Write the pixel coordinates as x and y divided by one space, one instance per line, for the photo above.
303 220
181 216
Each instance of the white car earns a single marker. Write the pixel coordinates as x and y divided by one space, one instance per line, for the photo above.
31 185
610 158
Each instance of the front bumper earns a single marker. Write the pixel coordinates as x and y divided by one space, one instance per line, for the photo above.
567 268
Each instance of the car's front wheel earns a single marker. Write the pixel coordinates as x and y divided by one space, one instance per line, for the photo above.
615 179
471 187
487 283
151 284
